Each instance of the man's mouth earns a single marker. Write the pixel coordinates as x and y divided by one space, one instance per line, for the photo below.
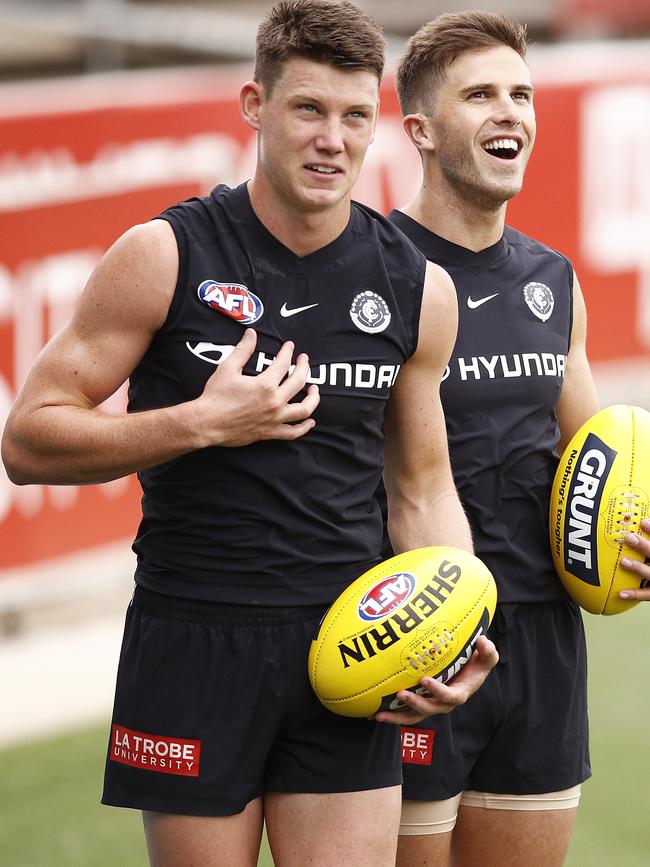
503 148
321 170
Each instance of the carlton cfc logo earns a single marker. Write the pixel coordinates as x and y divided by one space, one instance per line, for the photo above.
233 299
387 595
540 300
369 312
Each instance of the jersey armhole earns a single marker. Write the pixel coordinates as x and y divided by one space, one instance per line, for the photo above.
417 305
571 281
181 242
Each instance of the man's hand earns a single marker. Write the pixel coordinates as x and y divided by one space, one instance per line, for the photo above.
443 698
638 567
235 409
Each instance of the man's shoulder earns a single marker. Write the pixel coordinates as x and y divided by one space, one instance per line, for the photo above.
526 243
200 205
371 224
195 219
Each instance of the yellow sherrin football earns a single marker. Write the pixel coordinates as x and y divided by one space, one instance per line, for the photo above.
416 614
601 493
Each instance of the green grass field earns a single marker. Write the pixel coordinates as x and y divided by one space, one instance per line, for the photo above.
49 791
612 829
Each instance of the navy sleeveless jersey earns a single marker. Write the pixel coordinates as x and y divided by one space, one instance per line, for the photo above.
275 522
500 395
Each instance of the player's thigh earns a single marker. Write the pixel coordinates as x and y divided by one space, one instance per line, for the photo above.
511 838
335 829
425 832
424 851
208 841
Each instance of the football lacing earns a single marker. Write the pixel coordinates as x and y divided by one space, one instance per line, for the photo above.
435 646
627 514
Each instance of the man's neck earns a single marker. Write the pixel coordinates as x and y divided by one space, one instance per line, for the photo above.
456 220
301 231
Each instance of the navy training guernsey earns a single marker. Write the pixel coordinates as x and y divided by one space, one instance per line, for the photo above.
500 395
275 522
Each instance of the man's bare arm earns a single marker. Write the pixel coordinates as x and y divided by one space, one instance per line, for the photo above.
57 433
423 504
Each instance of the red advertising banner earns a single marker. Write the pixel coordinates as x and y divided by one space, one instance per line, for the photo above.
81 160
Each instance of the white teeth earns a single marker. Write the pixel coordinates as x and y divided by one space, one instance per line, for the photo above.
323 169
501 143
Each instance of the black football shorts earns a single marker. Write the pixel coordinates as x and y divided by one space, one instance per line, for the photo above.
213 708
525 731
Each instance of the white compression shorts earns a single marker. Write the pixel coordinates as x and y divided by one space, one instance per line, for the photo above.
439 817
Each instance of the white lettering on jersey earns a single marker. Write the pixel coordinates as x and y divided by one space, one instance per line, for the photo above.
511 366
341 373
464 368
346 374
550 364
533 357
263 360
506 370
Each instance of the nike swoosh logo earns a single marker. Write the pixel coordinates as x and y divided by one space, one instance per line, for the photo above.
201 350
474 304
285 311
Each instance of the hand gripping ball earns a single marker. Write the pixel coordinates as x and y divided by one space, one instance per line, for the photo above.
601 493
416 614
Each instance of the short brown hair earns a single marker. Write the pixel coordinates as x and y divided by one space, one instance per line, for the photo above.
338 33
431 50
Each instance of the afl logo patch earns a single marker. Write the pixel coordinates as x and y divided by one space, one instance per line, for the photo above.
540 300
387 595
369 312
233 299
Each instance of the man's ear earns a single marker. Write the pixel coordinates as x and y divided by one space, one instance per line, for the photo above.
250 103
418 129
